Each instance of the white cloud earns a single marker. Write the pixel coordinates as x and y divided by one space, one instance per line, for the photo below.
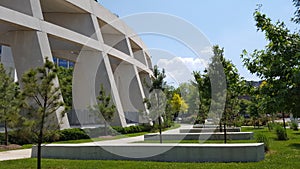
179 70
206 52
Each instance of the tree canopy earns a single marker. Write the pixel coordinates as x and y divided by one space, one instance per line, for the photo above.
10 101
277 64
42 99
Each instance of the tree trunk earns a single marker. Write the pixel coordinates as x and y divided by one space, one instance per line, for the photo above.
283 121
40 141
225 133
159 117
220 126
6 133
39 155
105 128
159 123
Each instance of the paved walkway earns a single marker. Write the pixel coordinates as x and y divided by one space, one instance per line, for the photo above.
26 153
15 154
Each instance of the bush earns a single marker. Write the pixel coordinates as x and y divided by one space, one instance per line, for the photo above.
261 138
133 129
294 126
281 133
72 134
21 136
2 139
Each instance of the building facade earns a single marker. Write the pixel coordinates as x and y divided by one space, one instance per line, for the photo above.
102 49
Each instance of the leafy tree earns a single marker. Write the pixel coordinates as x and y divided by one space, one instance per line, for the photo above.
157 87
178 105
104 108
9 101
204 95
234 84
65 76
216 73
277 65
43 99
296 18
168 115
253 110
244 103
189 93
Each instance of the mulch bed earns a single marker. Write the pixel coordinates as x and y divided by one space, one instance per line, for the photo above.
10 147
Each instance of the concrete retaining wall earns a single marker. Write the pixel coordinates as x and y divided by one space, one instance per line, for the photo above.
208 130
202 136
205 126
168 152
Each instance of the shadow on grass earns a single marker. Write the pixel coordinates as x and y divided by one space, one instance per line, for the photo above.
295 146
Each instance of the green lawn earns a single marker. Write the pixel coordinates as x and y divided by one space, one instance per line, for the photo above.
283 155
100 139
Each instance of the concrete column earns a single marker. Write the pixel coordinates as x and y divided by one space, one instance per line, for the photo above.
90 71
139 94
121 117
36 9
130 91
98 34
30 48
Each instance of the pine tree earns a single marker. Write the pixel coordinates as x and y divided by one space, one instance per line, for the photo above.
42 99
104 108
9 101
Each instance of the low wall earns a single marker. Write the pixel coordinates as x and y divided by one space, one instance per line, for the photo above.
202 136
209 130
173 152
205 126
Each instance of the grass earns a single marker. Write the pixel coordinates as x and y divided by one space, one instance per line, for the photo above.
99 139
26 146
283 155
175 126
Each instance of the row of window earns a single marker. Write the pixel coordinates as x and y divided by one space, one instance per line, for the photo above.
63 63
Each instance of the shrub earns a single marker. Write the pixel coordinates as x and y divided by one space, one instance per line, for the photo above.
72 134
133 129
21 136
281 133
261 138
294 126
51 136
1 138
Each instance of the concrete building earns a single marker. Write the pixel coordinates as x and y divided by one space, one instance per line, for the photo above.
104 50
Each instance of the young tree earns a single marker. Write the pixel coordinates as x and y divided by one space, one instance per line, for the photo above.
204 95
42 99
178 105
234 85
65 76
157 87
277 65
168 115
189 93
9 101
104 108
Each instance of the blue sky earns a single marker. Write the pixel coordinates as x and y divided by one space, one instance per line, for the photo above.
228 23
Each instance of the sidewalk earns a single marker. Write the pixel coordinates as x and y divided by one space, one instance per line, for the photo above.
15 154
